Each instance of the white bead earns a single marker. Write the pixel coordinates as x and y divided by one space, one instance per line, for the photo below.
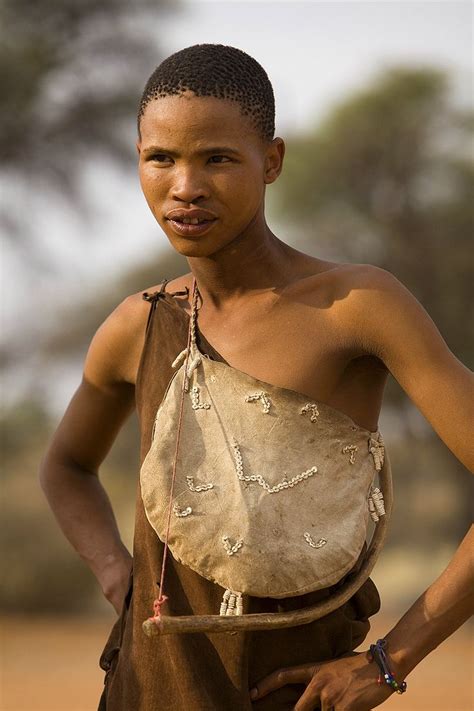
266 402
224 602
309 539
182 512
312 408
260 479
352 449
377 450
229 548
195 397
379 506
376 497
201 487
372 510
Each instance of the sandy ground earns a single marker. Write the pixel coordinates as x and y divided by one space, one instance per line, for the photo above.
52 665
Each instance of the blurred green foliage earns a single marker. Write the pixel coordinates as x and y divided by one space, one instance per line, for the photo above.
41 572
97 306
71 75
383 179
387 179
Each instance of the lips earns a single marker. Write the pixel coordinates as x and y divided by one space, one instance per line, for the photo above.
191 217
190 223
190 230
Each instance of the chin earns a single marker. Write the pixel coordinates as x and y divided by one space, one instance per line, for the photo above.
189 250
197 247
195 250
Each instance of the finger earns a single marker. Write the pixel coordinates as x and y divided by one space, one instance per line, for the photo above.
281 677
326 706
310 700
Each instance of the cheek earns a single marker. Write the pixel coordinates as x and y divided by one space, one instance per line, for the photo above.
242 186
247 191
153 188
149 181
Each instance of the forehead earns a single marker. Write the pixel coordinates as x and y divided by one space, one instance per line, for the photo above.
187 118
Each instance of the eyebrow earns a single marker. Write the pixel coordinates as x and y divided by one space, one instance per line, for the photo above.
202 152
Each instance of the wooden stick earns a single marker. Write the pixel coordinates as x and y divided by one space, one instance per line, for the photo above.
167 624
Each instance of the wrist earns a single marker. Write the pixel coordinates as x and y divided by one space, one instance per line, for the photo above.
115 583
390 672
401 657
112 570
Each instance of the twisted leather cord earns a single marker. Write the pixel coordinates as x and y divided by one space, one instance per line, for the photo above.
162 597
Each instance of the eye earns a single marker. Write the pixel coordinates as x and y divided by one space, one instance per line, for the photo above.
219 161
158 157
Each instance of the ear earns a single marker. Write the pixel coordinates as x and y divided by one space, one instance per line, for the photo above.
274 160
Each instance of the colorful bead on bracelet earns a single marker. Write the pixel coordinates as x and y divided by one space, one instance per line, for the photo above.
378 654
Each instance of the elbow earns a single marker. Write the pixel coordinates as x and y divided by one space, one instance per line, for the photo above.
57 469
50 470
44 468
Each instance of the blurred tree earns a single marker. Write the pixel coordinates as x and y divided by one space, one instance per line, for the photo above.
386 179
96 307
71 74
43 574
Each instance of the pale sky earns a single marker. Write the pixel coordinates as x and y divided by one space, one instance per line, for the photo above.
314 53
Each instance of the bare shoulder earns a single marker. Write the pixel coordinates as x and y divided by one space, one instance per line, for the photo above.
350 286
337 284
349 280
362 304
386 317
369 289
115 350
368 277
313 277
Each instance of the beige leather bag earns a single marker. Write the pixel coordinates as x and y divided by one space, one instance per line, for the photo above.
273 492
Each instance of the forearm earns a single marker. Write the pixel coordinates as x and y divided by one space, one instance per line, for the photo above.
84 513
437 613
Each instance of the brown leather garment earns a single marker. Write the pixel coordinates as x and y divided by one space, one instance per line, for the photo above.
206 672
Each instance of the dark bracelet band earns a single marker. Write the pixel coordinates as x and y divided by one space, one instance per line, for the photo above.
378 654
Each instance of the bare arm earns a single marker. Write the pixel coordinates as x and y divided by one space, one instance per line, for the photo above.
70 468
350 683
394 326
403 335
437 613
391 324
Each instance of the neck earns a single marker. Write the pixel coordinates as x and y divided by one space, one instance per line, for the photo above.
250 263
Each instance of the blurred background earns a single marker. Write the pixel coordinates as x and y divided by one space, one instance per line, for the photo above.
374 101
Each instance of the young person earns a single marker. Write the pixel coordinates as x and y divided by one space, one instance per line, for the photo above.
207 151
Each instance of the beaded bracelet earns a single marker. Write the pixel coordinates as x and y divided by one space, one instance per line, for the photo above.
378 653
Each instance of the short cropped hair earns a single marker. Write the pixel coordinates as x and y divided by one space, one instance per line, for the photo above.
220 71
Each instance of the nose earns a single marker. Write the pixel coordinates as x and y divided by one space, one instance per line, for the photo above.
189 185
